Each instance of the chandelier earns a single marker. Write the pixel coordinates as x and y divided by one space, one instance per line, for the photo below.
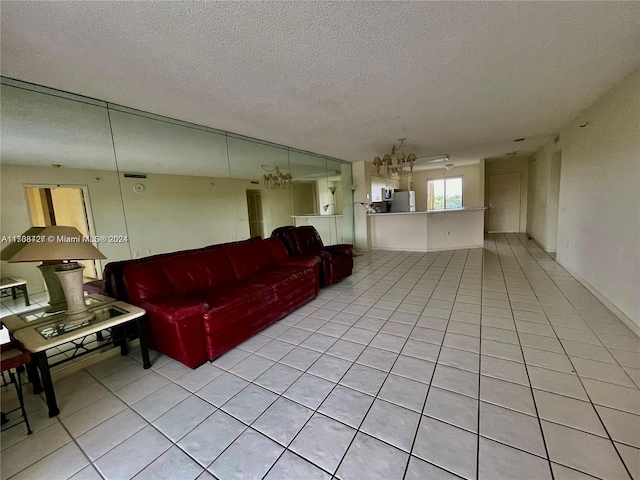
275 179
395 164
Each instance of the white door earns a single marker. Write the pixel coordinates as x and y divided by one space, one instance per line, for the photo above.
504 202
254 206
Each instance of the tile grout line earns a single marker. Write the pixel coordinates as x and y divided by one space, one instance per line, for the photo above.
518 256
480 341
375 397
587 323
317 412
424 403
535 405
590 401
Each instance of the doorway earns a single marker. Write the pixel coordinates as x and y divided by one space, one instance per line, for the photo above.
62 206
504 203
254 206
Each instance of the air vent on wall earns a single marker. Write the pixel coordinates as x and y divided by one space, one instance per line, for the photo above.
135 175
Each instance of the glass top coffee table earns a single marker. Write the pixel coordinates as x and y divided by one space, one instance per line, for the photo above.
40 314
58 330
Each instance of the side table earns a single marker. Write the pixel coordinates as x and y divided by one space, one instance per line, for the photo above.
39 338
15 285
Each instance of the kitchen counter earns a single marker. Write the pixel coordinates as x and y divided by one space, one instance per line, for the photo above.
427 231
451 210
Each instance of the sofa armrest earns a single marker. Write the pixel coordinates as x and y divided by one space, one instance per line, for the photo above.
173 308
342 249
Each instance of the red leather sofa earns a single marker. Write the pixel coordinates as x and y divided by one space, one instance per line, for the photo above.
202 303
337 260
112 283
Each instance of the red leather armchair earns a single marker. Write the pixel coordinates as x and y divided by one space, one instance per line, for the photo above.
336 260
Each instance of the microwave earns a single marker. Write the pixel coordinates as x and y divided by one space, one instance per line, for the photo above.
387 195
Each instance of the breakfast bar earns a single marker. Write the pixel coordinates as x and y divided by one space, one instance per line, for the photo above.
428 231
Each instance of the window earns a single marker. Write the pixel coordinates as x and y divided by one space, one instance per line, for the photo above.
444 193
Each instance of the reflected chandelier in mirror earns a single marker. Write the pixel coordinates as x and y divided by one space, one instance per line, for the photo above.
275 179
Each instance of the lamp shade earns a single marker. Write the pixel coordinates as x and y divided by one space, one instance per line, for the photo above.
59 243
13 248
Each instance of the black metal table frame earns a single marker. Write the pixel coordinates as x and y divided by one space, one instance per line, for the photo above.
40 362
14 293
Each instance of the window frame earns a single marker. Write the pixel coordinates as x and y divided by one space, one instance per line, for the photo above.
430 187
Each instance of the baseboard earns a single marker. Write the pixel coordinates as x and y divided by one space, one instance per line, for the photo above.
634 327
463 247
388 249
539 243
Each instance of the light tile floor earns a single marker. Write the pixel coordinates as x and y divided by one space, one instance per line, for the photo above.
489 363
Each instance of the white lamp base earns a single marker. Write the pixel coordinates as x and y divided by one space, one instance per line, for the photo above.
57 301
70 275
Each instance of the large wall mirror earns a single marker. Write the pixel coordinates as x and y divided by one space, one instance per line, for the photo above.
57 168
261 174
161 184
175 183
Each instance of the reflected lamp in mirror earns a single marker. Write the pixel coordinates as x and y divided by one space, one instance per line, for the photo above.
57 302
326 207
62 246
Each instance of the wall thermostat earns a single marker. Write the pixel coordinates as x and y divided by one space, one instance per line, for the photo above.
138 188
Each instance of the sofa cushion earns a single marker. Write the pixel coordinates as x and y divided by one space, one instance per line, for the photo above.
145 280
233 302
278 249
250 258
283 282
197 271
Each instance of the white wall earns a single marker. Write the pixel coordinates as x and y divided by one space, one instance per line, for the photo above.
178 212
472 191
509 165
362 180
599 202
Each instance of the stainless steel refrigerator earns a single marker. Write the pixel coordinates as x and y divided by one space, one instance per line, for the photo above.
403 201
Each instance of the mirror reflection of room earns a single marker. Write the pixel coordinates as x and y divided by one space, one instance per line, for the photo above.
159 184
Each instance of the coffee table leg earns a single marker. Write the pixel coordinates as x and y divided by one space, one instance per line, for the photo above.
34 377
26 295
47 383
124 348
142 330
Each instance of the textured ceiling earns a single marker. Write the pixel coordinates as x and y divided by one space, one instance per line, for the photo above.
344 79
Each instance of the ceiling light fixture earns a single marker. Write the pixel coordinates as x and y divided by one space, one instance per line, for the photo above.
275 179
449 166
396 163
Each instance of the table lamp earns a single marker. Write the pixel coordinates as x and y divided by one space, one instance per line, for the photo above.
61 246
57 302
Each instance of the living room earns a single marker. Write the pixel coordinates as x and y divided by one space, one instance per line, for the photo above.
127 109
